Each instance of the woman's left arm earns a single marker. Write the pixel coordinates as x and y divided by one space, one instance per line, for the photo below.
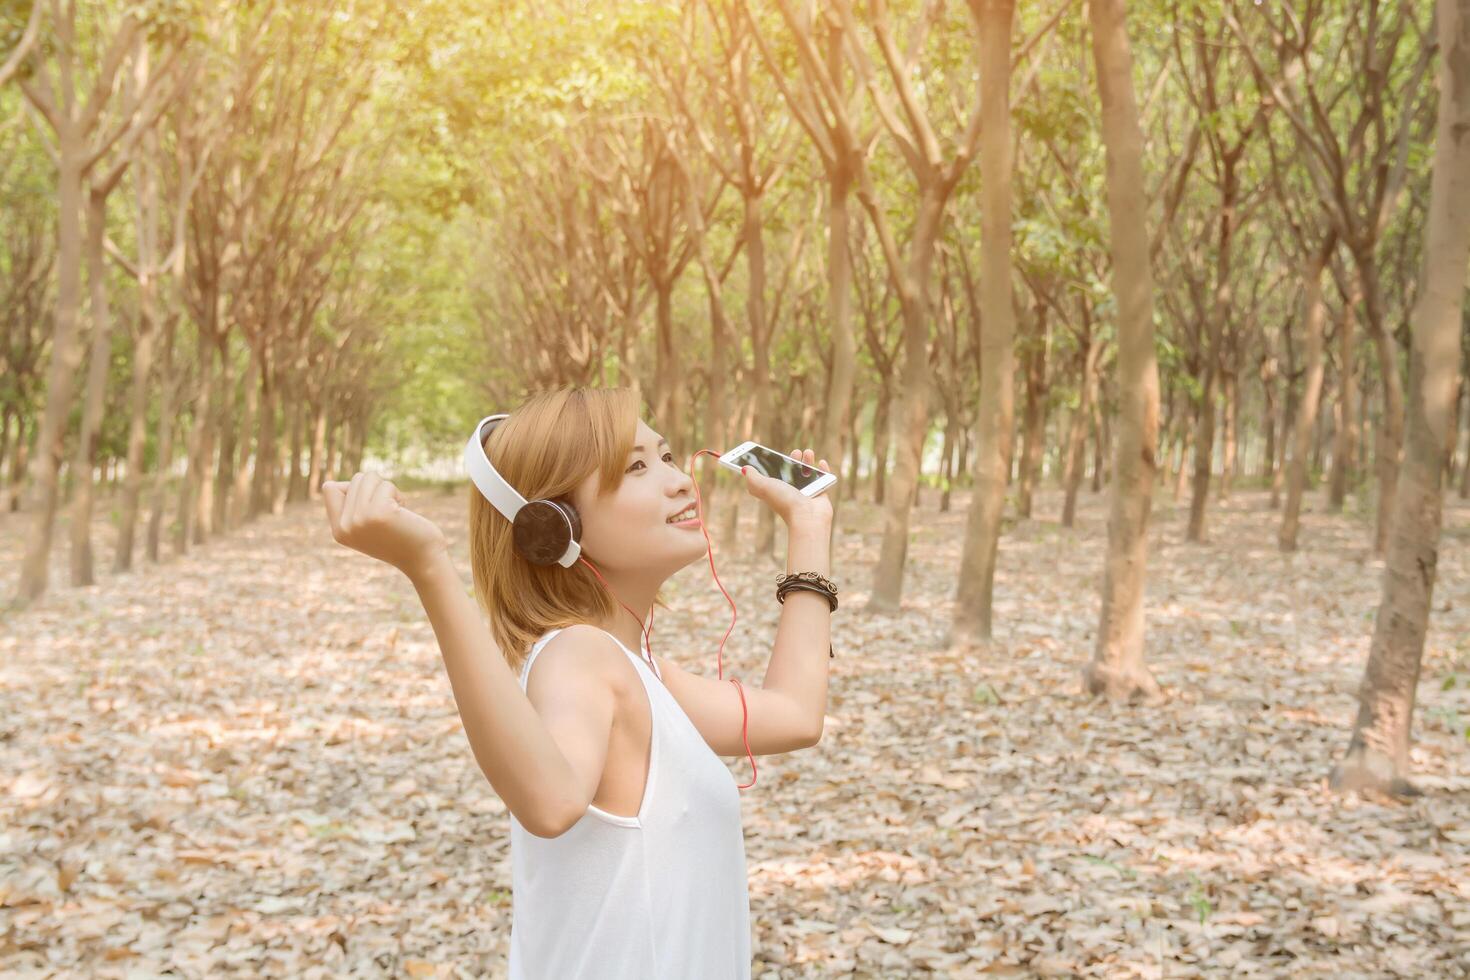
798 666
788 711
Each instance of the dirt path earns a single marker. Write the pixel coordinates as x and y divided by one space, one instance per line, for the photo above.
248 762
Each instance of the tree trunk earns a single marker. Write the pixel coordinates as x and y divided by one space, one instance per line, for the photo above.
1378 752
1268 431
146 338
1178 457
167 422
5 441
1389 438
1100 421
1464 463
97 370
1288 423
1345 420
332 466
1269 426
781 430
296 481
66 360
145 341
739 432
837 418
1465 466
1117 669
227 431
1033 425
196 470
947 450
281 461
918 495
1463 388
760 341
975 592
19 452
1229 392
664 356
1181 472
911 422
262 482
1166 434
1319 443
357 444
717 416
203 521
962 468
1077 432
1204 453
1389 432
345 440
239 499
1313 312
315 474
882 422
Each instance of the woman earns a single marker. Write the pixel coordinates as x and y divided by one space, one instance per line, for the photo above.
626 848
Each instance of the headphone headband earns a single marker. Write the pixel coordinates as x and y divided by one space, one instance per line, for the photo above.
494 487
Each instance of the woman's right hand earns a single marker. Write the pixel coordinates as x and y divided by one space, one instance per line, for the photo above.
368 515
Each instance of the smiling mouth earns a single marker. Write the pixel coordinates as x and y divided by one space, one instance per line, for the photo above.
690 516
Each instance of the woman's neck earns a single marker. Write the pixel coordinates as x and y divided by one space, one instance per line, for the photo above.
627 624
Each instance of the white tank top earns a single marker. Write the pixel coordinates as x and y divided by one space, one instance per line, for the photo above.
658 896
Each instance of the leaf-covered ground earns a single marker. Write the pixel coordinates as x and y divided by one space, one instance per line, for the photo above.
248 762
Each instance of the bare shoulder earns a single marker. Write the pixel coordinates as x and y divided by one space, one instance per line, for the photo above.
579 654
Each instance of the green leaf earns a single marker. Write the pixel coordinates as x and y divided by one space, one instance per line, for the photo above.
1197 899
985 694
1122 871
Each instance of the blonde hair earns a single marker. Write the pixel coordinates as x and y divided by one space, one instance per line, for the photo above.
544 449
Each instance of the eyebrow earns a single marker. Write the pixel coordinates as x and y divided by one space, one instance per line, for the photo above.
661 442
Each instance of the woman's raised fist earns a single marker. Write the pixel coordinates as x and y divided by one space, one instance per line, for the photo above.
368 514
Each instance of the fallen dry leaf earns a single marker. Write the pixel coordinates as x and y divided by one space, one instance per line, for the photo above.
247 761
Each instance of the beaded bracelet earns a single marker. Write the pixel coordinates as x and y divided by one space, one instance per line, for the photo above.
785 583
790 587
826 583
808 582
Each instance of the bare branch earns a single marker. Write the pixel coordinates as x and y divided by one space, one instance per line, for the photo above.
23 49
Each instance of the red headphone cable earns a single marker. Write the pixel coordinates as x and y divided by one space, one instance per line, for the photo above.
720 654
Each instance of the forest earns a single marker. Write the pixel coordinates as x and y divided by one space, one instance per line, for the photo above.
1138 336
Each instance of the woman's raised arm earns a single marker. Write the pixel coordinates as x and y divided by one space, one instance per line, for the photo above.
512 744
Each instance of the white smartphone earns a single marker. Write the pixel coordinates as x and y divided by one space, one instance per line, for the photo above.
767 462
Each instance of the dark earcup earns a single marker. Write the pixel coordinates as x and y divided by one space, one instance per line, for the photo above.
543 529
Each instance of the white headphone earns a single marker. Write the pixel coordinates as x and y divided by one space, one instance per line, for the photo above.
544 532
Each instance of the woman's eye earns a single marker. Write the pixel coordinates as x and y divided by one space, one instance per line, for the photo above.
667 457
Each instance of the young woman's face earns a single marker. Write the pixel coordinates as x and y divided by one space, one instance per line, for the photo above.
630 529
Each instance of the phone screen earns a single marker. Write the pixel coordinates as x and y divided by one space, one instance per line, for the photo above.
769 463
